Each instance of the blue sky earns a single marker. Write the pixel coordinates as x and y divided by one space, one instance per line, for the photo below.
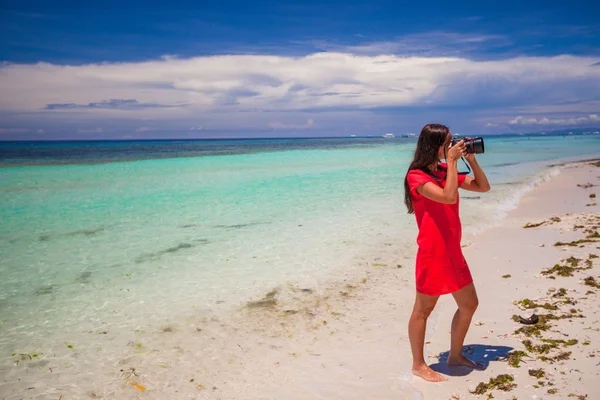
239 69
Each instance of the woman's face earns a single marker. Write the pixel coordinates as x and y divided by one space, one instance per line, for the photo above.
441 154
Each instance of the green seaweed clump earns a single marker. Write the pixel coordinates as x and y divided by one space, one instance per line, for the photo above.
533 225
561 357
539 348
585 185
536 224
562 292
502 382
533 330
579 396
537 373
565 343
514 358
552 391
529 304
542 324
575 242
590 281
571 265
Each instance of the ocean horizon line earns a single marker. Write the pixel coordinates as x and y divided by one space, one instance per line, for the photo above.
592 131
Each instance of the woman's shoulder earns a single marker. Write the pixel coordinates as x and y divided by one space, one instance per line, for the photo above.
417 177
417 172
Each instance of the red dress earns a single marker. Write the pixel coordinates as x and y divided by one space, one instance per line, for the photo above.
441 267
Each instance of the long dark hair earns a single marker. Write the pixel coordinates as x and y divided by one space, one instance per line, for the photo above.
432 136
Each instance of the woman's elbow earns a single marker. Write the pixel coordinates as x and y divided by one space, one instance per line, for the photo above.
482 188
450 199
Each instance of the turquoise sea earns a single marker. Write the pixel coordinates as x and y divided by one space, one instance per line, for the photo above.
128 234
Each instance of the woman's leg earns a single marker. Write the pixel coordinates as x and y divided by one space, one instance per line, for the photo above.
416 332
467 302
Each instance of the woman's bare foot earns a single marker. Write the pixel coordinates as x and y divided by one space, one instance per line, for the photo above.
463 361
427 373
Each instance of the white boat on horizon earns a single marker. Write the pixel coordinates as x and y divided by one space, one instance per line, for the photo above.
388 136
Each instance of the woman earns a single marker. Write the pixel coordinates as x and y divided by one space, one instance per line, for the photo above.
431 193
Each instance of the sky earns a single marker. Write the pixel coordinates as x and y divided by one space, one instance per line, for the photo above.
143 70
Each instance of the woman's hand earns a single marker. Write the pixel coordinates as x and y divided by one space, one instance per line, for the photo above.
470 157
457 151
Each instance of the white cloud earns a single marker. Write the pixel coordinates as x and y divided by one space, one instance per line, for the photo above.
41 131
581 120
279 125
172 89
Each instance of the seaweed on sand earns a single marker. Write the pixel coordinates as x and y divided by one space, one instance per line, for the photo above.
502 382
530 304
575 242
542 325
539 348
571 265
585 185
560 357
535 225
591 281
514 358
537 373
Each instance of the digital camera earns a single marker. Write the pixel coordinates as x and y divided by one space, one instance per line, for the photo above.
473 145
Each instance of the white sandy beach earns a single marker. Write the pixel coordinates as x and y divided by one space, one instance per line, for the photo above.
348 339
524 254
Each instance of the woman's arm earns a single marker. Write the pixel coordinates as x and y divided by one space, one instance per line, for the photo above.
479 182
449 194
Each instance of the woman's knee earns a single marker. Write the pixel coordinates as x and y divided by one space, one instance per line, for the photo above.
466 299
469 306
423 311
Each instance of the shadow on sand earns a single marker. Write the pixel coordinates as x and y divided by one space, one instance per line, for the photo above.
479 353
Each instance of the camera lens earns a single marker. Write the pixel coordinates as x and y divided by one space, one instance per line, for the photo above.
476 146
